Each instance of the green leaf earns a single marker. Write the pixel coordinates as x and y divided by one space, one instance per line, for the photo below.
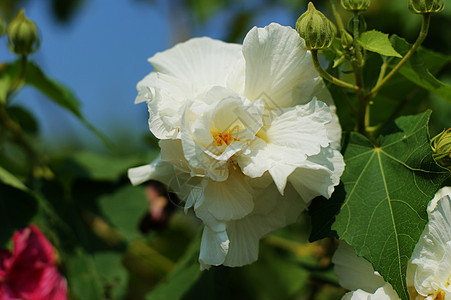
387 191
84 282
182 278
10 179
7 73
417 71
378 42
124 209
59 94
112 273
24 118
17 208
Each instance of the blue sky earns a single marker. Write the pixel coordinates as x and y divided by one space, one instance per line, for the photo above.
101 55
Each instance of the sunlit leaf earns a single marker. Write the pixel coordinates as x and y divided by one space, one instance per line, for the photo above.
378 42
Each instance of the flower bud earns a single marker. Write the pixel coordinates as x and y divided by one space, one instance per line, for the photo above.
346 39
355 5
22 34
426 6
441 145
317 30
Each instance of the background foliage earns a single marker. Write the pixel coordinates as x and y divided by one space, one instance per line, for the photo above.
85 205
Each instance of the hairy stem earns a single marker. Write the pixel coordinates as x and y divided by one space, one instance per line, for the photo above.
423 33
329 77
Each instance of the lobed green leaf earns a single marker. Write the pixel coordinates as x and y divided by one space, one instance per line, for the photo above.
387 189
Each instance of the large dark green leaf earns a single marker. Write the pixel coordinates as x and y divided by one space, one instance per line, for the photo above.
387 188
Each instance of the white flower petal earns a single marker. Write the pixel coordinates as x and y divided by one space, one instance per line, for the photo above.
355 272
386 292
217 127
319 174
274 64
228 200
272 212
294 143
213 248
204 62
157 170
432 250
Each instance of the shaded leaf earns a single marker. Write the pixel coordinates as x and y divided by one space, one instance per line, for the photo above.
17 208
9 179
387 191
124 209
84 282
417 71
378 42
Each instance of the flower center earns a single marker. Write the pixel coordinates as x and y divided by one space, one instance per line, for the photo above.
222 138
440 296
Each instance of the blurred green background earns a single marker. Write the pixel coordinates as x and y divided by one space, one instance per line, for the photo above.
76 187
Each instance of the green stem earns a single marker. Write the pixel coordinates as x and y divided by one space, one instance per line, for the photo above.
337 16
327 76
363 111
19 79
418 42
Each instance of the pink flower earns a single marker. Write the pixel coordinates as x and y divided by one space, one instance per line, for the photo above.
30 271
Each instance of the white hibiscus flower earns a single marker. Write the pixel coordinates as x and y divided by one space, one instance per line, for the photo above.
429 270
248 136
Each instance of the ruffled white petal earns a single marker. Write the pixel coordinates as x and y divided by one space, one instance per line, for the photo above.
203 62
183 72
432 254
319 174
294 144
274 56
217 127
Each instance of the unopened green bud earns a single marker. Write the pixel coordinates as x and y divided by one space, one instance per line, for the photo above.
426 6
346 39
441 145
355 5
22 34
317 30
